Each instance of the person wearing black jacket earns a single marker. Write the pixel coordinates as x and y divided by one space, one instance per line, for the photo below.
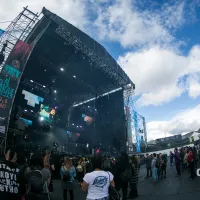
9 170
119 168
134 180
148 165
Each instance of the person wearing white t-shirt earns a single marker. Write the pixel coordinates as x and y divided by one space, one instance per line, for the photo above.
97 182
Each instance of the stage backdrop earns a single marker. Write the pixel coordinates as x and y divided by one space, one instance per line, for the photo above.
9 79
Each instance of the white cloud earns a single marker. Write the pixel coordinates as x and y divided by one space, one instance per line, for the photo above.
193 85
157 73
74 11
185 121
123 22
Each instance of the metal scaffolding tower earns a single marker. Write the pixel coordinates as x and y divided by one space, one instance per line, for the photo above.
136 125
18 29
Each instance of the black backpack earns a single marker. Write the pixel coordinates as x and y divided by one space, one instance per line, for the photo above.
113 193
126 175
157 163
35 182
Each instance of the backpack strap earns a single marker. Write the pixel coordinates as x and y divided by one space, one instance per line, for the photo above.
39 172
108 177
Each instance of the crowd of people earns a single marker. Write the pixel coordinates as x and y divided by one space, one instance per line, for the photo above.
100 177
21 179
183 159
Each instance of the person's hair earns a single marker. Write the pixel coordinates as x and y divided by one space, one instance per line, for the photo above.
11 154
68 163
47 152
154 154
134 161
124 158
36 160
96 162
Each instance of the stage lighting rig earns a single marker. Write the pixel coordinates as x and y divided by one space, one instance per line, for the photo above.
119 79
37 86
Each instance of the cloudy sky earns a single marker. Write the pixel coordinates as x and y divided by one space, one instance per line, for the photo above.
157 42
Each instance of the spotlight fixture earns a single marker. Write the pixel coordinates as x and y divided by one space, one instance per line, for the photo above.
41 118
61 69
31 110
25 110
31 81
43 86
55 91
74 76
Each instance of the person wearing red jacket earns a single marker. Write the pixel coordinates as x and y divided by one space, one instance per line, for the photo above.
191 164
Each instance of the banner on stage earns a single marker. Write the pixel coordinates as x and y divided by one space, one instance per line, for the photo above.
9 80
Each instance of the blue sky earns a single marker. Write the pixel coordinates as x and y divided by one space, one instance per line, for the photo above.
156 42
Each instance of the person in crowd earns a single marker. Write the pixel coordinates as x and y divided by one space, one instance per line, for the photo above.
182 153
38 179
185 160
177 162
51 162
158 164
47 159
52 170
21 178
107 165
138 160
68 173
119 168
97 182
195 157
163 167
154 167
191 163
148 165
171 156
9 166
89 167
134 180
81 170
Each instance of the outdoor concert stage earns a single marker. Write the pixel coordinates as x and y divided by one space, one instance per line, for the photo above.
71 92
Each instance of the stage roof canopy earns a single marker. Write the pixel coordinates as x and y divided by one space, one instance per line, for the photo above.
68 61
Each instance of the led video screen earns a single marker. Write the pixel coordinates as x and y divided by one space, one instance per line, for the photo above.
87 119
32 99
46 113
26 121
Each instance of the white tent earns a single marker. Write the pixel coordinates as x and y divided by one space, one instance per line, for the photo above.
194 137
